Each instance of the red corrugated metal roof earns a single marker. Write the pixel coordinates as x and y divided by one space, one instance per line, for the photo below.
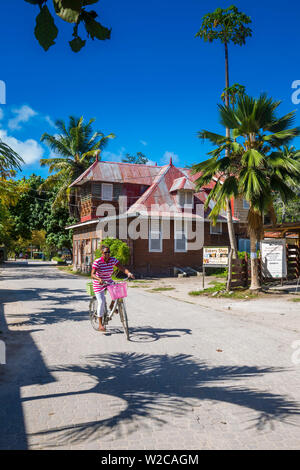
116 172
159 179
159 192
182 183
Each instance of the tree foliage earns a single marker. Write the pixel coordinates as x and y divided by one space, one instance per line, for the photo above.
139 158
70 11
226 25
255 168
33 215
76 146
118 249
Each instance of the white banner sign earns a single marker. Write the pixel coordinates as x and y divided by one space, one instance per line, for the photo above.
216 256
273 258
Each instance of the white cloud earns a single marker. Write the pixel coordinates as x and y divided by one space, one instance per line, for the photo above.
167 155
23 114
50 122
1 114
143 142
30 150
113 157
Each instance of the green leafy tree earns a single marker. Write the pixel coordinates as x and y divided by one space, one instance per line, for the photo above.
70 11
255 167
76 147
118 249
57 237
229 26
139 158
34 215
5 226
29 211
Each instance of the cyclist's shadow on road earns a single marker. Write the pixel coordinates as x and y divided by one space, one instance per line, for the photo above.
148 334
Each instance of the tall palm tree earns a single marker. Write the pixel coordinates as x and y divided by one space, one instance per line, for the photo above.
229 26
76 146
256 169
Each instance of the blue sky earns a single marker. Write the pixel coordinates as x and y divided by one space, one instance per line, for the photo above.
153 84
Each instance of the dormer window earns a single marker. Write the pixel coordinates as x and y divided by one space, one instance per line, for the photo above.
184 190
185 199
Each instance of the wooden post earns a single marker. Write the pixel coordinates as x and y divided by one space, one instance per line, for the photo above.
246 270
203 275
229 275
297 267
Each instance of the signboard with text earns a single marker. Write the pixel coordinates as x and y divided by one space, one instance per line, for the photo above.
216 256
273 258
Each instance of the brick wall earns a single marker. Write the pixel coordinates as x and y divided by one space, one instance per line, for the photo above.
152 262
142 261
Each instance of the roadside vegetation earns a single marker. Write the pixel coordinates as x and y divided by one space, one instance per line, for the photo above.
219 290
161 289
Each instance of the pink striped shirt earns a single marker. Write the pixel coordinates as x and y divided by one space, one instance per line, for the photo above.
104 271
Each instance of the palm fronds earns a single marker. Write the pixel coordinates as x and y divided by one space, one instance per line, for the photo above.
75 147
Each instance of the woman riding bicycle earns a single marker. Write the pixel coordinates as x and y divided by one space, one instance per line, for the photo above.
102 270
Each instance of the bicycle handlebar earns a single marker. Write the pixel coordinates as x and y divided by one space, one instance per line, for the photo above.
114 282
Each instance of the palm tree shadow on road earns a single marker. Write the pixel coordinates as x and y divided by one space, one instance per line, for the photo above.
156 388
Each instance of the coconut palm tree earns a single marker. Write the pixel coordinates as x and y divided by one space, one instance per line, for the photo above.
229 26
10 163
255 167
76 146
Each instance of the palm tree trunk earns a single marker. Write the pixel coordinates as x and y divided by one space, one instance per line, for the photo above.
226 77
233 248
255 281
231 229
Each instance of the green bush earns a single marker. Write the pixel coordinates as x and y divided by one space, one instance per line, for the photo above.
118 249
219 272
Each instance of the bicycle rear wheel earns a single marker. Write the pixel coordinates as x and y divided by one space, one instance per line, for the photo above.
93 313
123 317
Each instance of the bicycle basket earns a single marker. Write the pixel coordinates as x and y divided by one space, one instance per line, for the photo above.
118 290
89 288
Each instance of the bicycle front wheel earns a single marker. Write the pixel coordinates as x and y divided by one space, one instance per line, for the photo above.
93 313
123 317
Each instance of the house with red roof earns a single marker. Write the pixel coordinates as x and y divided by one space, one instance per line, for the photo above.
156 210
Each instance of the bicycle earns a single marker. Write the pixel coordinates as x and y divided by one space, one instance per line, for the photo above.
117 290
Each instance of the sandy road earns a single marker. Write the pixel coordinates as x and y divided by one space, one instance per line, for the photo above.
190 378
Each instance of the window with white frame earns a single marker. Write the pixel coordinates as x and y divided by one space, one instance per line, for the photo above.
155 235
246 204
185 198
216 229
107 192
180 239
